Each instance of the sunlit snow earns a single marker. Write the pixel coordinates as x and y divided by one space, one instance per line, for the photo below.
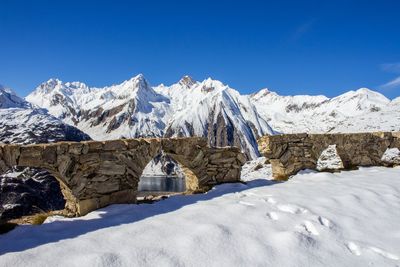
349 218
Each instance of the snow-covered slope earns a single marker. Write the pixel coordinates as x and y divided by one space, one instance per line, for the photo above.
27 126
354 111
350 218
135 109
21 123
8 99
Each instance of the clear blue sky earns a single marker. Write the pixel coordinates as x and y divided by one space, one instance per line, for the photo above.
292 47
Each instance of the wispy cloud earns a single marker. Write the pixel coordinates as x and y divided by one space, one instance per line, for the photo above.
392 84
302 29
393 68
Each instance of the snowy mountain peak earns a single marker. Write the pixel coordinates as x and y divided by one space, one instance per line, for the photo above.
8 99
361 92
50 85
362 99
77 86
56 86
7 90
136 82
138 78
187 81
372 94
262 93
209 85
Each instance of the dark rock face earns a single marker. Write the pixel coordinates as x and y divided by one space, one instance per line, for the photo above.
31 191
34 126
220 131
223 132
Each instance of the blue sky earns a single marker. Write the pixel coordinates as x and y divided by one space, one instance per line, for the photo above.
292 47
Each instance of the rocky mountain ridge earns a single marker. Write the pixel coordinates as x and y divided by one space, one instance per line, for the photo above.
209 108
135 109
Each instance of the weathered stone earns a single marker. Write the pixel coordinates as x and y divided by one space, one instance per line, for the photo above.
66 165
31 156
105 188
49 154
95 174
111 168
199 158
293 152
89 158
11 154
108 156
222 160
241 158
95 146
85 148
75 148
62 148
118 145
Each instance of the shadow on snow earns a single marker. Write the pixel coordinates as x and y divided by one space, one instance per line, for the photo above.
31 236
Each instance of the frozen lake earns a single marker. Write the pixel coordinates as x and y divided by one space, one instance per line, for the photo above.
162 183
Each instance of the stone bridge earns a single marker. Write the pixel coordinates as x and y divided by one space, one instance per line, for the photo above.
290 153
94 174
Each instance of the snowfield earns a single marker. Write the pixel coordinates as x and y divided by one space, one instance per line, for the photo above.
350 218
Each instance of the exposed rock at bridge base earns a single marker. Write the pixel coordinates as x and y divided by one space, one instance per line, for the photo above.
94 174
290 153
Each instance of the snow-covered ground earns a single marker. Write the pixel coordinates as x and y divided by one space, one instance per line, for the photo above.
350 218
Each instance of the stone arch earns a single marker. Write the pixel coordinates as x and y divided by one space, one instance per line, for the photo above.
191 179
345 157
191 155
187 152
95 174
32 156
139 153
329 159
206 166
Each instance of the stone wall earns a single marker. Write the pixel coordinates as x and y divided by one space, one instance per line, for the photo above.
290 153
94 174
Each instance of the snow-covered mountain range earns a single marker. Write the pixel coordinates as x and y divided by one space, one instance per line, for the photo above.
354 111
21 123
135 109
209 108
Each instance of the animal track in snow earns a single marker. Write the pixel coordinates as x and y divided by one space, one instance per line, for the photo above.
353 248
291 209
324 221
252 194
271 200
310 228
240 195
273 215
246 203
384 253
